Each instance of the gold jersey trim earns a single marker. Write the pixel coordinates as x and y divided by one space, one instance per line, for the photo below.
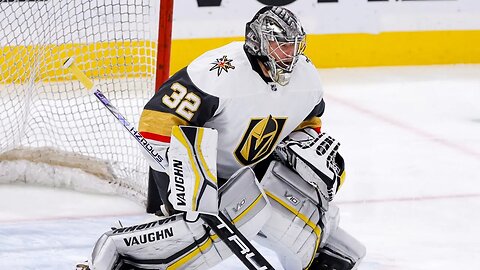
160 123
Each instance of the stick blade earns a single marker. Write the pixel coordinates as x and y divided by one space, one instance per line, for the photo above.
80 75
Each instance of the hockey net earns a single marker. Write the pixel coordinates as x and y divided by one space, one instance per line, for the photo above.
53 132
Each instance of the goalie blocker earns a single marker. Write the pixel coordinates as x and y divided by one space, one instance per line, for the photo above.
193 170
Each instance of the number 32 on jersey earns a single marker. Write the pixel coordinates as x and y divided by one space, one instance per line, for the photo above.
183 102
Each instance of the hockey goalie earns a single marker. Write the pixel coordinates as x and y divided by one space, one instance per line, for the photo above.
240 128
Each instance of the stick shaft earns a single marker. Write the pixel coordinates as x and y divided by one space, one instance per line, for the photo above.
237 242
87 83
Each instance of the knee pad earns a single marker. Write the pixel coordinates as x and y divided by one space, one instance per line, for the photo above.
295 228
171 242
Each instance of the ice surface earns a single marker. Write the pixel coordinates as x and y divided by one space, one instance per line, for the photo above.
411 140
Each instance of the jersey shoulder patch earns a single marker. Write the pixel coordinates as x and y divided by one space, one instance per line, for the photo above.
215 70
222 64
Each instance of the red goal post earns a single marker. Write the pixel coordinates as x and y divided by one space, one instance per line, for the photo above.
164 42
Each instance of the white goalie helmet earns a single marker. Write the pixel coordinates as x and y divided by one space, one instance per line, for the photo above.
277 38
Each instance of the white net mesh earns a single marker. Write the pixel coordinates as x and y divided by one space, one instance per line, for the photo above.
44 110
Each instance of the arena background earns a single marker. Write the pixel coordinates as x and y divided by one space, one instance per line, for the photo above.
343 33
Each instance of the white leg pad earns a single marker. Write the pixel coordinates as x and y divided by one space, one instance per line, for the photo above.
167 242
295 227
173 243
303 225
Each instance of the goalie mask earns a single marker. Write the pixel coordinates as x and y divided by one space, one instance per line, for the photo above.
276 37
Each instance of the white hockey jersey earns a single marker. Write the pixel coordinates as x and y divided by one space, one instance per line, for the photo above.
225 89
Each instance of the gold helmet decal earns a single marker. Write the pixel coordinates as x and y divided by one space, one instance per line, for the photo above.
259 139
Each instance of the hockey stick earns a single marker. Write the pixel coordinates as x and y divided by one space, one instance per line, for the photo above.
226 231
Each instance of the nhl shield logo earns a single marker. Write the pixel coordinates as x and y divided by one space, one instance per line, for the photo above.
259 139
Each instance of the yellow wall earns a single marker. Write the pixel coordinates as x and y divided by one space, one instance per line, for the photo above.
119 59
356 50
20 64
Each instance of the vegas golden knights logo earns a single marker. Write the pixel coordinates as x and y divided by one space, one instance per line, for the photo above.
259 139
